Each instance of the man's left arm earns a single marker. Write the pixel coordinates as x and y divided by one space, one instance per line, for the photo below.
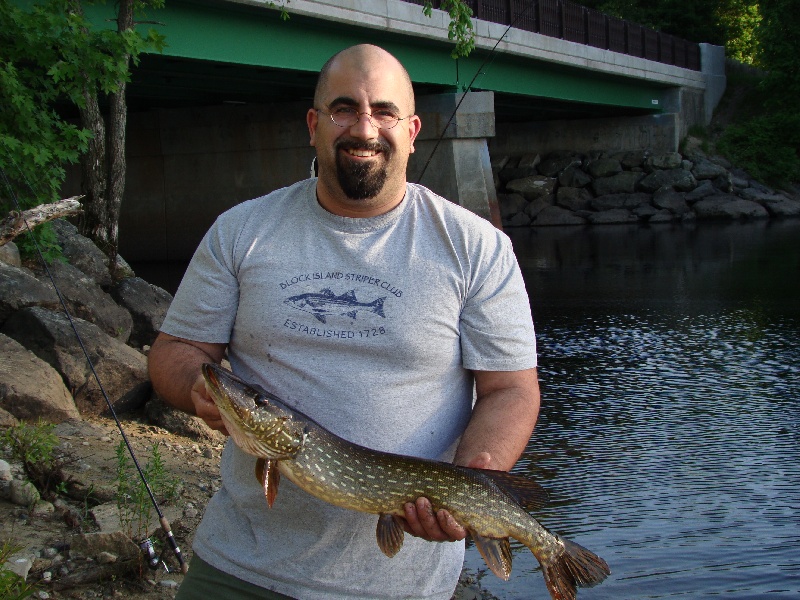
501 424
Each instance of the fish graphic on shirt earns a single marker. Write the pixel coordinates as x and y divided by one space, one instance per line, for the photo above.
324 303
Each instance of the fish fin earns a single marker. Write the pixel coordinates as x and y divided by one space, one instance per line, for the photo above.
319 317
327 292
269 477
528 494
349 296
496 554
352 314
390 534
573 568
377 307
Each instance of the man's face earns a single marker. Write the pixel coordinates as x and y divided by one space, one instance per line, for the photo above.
363 166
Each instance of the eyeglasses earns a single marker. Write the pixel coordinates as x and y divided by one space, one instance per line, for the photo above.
346 116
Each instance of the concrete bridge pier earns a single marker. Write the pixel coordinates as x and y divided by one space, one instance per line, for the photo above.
453 150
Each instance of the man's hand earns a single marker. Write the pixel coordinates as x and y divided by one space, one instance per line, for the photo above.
204 406
422 522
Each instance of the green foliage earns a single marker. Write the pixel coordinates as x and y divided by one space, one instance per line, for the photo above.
50 56
35 447
729 23
46 240
133 500
460 29
766 146
12 586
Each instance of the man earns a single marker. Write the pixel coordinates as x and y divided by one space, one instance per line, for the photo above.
373 306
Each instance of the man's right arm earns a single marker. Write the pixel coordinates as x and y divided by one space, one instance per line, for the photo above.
174 365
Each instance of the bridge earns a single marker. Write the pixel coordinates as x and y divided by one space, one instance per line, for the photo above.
219 116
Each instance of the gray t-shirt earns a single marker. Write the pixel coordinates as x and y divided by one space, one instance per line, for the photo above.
371 327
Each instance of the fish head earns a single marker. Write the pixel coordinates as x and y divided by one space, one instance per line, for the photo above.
258 422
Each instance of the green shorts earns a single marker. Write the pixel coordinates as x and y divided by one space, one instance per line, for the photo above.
204 581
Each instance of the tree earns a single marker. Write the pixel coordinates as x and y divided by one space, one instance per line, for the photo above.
51 55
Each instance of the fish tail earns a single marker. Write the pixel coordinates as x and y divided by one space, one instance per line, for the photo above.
575 567
377 307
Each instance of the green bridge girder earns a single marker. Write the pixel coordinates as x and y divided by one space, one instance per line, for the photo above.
218 51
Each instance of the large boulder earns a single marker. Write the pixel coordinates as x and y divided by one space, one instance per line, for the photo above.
615 216
532 187
669 199
621 183
604 167
727 206
147 305
555 163
121 369
574 199
19 289
30 388
81 252
614 201
678 179
556 215
666 161
86 300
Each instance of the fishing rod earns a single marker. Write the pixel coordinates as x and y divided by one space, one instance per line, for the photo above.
489 57
145 545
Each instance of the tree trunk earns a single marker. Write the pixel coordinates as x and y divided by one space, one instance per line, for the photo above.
104 164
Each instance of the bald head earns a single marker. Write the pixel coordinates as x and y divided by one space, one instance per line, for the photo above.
363 59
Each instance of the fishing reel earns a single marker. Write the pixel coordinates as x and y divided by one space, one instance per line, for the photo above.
153 560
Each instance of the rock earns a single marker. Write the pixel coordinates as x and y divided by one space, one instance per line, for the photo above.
667 161
631 160
147 304
518 220
91 545
42 509
82 253
85 299
574 176
614 201
23 493
9 254
645 211
780 206
532 187
5 471
121 369
532 209
19 288
604 167
30 388
621 183
572 198
616 215
705 169
555 215
510 204
681 180
662 216
670 200
724 183
555 163
701 191
511 173
20 566
726 206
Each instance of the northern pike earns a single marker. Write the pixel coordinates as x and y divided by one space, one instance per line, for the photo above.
490 505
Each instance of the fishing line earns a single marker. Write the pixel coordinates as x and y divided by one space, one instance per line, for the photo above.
145 545
489 57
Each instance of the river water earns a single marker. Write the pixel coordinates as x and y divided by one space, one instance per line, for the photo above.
669 436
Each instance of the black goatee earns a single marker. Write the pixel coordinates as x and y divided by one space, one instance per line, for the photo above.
360 181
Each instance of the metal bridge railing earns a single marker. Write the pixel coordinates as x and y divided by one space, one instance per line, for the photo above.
571 21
